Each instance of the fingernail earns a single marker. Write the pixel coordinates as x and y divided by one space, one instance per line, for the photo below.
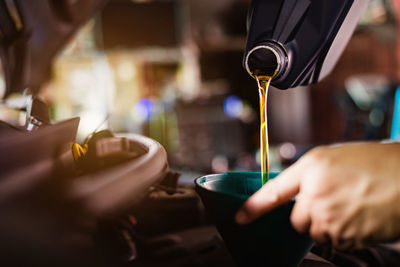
242 217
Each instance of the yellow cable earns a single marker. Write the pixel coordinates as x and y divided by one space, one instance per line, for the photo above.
79 151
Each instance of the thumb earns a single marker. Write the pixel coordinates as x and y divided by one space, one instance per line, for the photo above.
274 193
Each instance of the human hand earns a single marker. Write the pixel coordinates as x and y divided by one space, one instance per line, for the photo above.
346 194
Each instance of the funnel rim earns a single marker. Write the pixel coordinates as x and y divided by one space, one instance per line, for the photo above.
200 183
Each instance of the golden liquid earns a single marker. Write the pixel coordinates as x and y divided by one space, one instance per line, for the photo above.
263 82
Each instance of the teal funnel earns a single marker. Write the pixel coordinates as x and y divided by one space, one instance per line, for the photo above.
268 241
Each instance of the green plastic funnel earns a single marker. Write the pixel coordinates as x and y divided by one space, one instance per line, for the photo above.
268 241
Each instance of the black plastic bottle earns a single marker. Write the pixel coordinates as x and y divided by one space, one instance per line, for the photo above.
300 40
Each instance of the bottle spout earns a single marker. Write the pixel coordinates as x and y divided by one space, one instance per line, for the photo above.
265 59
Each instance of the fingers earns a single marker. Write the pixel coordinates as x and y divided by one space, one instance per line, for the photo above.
300 217
273 194
318 233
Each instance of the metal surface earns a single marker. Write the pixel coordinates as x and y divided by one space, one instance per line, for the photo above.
33 32
29 158
114 189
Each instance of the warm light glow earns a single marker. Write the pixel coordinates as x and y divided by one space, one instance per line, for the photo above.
287 151
90 120
126 71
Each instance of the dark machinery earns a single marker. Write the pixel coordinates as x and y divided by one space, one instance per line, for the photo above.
46 192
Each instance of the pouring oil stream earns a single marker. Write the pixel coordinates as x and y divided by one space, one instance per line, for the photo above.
263 82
